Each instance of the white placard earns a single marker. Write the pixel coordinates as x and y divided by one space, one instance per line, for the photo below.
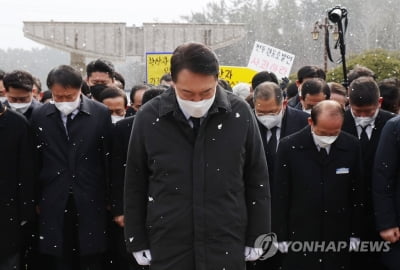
265 57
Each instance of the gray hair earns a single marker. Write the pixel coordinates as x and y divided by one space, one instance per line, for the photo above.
268 90
242 90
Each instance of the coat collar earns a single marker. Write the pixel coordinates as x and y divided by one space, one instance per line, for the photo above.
169 104
84 107
3 112
350 124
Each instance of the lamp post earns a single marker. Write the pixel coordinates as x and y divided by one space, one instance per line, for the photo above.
326 27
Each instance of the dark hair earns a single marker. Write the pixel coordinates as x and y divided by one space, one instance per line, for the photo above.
390 92
96 90
136 88
263 76
268 90
195 57
315 86
224 84
250 100
364 91
118 76
291 90
337 88
307 72
86 89
100 65
152 93
113 92
46 96
359 71
2 74
65 76
37 83
334 106
166 77
18 79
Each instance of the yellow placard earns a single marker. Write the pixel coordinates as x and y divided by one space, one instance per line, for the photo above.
157 64
234 75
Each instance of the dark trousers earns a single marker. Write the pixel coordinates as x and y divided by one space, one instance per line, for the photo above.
71 259
11 262
30 256
118 257
391 259
368 260
272 263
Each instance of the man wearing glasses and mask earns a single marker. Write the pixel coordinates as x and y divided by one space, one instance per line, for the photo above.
275 119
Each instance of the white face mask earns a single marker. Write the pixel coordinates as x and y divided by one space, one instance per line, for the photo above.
3 99
195 108
270 121
116 118
20 107
364 121
323 141
67 107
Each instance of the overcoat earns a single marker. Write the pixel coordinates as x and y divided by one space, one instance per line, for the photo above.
317 199
76 163
196 202
16 180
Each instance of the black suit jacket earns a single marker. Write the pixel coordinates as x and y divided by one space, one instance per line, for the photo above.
294 101
78 162
386 186
293 120
16 179
120 142
317 199
386 177
368 154
349 126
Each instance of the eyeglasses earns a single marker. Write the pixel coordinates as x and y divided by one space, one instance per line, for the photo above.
269 113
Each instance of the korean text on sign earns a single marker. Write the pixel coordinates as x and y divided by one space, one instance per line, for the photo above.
157 64
265 57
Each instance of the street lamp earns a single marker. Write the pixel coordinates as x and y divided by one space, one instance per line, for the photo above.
315 32
315 36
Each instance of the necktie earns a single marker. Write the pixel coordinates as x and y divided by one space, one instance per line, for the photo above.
68 124
364 140
364 135
196 125
272 143
271 151
323 153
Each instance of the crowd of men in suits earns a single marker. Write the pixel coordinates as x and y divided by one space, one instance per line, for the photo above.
189 174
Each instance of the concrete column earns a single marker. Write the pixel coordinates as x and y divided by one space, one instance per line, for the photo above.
78 62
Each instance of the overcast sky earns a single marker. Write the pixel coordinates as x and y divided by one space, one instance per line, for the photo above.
14 12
